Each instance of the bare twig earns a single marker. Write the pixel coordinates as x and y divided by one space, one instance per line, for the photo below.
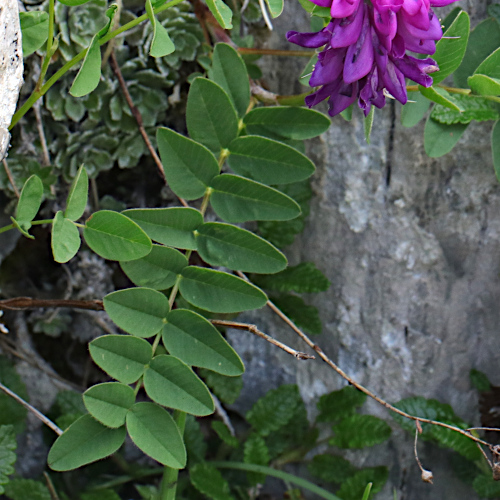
427 476
253 329
32 409
19 303
10 177
41 133
50 486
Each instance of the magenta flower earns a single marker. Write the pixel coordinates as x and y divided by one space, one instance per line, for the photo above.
365 54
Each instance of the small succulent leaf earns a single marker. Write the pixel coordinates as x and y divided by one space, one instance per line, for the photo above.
121 356
154 431
229 71
161 45
210 116
65 240
439 139
484 85
83 442
495 148
78 195
275 7
109 402
219 292
236 248
138 311
114 236
170 226
340 404
360 431
193 339
29 200
170 382
236 199
221 12
209 481
440 96
89 74
331 468
414 110
268 161
189 166
490 66
34 29
8 445
157 270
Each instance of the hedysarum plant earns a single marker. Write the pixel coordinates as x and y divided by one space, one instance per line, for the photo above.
365 54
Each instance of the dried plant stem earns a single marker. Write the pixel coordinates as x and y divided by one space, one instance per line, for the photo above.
41 133
20 303
10 177
50 486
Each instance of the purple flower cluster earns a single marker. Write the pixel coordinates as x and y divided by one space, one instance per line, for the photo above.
365 51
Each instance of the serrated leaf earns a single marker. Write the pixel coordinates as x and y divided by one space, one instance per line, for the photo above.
227 389
171 226
121 356
34 29
194 439
495 148
153 431
353 488
473 108
8 445
138 311
451 439
331 468
414 110
235 248
302 314
29 200
339 404
161 44
479 380
114 236
490 66
360 431
191 338
209 481
484 85
78 194
486 486
84 442
221 12
255 452
439 138
23 489
89 74
440 96
65 238
12 412
222 430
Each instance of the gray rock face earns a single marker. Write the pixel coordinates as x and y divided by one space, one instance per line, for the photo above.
411 246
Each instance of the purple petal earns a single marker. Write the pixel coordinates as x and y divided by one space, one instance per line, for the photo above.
359 57
328 68
346 31
323 3
343 8
394 82
417 69
322 93
310 40
343 99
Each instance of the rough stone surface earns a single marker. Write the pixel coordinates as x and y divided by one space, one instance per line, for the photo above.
411 247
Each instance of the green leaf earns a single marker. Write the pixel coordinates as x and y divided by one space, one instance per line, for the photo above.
483 40
171 226
495 148
302 314
84 442
138 311
122 357
191 338
209 481
219 292
414 110
484 85
450 49
35 30
153 431
73 3
210 116
22 227
354 487
367 492
274 410
170 382
109 402
360 431
255 452
158 270
76 201
268 161
189 166
8 445
275 7
440 96
24 489
221 12
486 486
439 139
479 380
229 71
65 239
331 468
194 439
236 199
222 430
89 74
227 389
235 248
339 404
105 494
116 237
368 124
490 66
472 108
12 412
286 121
29 200
161 45
302 278
451 439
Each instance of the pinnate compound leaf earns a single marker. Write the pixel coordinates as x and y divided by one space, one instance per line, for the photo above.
210 116
157 270
360 431
414 110
89 74
450 49
339 404
486 487
221 12
24 489
29 200
189 166
222 430
83 442
229 71
331 468
78 194
153 431
209 481
235 248
138 311
8 445
35 30
472 108
286 121
12 412
109 402
495 148
268 161
191 338
114 236
161 45
122 357
170 382
236 199
439 138
484 85
219 292
302 314
171 226
227 389
65 239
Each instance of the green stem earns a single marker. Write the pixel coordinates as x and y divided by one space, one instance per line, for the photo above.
284 476
33 223
49 52
6 228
